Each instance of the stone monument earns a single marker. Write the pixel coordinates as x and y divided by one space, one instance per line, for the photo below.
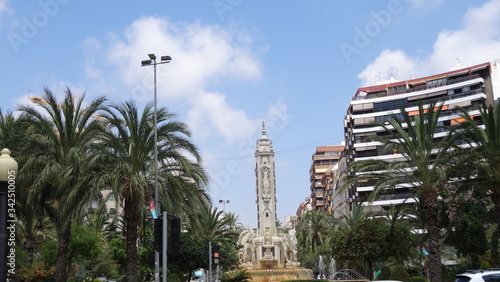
267 252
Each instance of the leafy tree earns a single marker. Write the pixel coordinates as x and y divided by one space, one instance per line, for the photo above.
468 225
192 255
146 255
118 253
84 243
56 166
49 253
425 165
364 243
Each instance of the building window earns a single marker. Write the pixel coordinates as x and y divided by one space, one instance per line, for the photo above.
390 105
436 82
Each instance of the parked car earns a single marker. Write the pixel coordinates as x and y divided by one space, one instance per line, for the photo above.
492 274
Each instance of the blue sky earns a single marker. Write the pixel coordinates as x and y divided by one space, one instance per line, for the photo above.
294 64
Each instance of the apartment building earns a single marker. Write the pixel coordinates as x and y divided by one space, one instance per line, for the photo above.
462 87
304 207
338 198
323 160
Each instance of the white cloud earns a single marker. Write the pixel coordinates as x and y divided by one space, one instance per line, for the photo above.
211 114
390 62
202 56
477 42
3 5
425 3
3 9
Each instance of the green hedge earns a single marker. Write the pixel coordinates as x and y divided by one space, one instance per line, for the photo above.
399 272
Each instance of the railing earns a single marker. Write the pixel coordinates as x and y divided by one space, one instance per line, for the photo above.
394 196
418 88
435 100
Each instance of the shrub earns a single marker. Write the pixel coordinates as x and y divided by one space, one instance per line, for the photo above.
385 273
399 272
418 279
172 277
236 276
485 265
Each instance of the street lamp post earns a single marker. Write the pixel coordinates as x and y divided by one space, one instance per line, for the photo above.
224 202
152 62
8 173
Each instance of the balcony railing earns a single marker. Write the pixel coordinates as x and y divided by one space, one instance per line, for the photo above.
394 196
417 88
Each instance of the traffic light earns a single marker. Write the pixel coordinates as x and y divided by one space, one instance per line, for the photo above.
175 234
158 234
215 253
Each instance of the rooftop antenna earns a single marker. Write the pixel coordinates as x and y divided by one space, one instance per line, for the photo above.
378 75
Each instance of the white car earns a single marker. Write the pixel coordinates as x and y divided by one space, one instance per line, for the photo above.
492 274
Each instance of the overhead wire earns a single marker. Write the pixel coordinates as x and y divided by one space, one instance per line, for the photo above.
279 151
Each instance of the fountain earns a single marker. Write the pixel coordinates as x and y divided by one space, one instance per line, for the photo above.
268 253
321 267
332 269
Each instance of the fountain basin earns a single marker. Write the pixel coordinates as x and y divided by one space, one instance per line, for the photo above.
276 275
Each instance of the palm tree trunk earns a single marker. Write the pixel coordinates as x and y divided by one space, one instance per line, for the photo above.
131 220
430 211
29 245
61 274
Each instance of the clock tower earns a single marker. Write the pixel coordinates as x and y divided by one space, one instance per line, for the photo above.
266 188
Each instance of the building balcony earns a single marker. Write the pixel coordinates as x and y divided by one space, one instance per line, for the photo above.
449 84
320 203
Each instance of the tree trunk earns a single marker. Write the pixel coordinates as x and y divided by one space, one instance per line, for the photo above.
431 211
61 273
131 221
29 245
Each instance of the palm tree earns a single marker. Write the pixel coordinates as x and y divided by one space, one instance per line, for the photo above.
10 135
56 164
313 229
214 227
233 222
31 221
126 151
350 220
425 165
484 136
